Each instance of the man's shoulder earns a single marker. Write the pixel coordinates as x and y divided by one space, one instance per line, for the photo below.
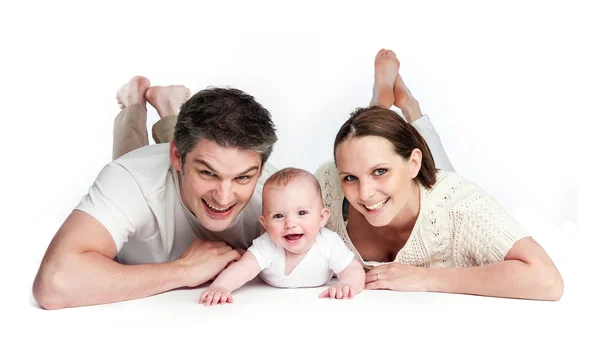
149 166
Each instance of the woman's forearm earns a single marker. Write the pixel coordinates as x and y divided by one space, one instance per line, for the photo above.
509 278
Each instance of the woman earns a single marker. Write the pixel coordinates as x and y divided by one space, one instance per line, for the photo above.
416 227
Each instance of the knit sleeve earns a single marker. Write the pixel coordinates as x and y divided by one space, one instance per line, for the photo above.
484 232
332 193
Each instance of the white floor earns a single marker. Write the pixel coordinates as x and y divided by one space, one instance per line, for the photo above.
299 315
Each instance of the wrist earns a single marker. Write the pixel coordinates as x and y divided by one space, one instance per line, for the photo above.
432 280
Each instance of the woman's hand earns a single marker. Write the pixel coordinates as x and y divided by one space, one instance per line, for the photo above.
399 277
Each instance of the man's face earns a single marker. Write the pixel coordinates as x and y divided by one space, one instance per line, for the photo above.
216 182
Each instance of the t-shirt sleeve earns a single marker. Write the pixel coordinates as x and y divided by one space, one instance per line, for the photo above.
340 255
263 249
484 231
116 200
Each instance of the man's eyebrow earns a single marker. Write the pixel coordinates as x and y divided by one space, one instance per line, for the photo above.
200 161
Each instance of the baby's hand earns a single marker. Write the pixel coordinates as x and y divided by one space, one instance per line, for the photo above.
338 291
215 295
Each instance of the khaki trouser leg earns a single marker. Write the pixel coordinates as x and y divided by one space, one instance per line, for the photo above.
130 131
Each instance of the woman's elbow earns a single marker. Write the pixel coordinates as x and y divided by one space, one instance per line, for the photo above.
551 285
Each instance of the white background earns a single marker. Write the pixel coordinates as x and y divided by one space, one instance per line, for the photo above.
511 87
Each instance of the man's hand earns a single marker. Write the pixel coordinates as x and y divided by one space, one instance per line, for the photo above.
215 295
203 260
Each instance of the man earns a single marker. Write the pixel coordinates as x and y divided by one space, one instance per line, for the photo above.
169 215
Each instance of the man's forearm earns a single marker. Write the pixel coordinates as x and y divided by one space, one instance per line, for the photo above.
91 278
510 278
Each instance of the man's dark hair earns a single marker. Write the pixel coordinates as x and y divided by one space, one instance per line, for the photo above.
227 116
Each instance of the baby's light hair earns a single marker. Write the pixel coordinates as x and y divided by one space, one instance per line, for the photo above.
286 175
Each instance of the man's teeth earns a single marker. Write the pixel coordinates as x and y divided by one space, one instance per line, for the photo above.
377 205
215 208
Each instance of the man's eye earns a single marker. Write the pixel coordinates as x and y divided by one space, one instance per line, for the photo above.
349 178
207 173
302 212
380 171
277 216
243 177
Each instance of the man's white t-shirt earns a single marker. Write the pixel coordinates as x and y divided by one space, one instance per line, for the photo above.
327 256
137 199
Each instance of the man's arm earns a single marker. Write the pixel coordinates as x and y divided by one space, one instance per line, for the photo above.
78 268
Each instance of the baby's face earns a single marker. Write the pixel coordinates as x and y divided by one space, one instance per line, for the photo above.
293 214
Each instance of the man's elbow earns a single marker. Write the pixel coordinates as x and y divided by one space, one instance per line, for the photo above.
49 289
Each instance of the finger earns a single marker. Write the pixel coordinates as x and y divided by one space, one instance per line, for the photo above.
231 255
351 293
229 299
377 285
377 276
324 294
346 292
241 251
225 297
216 298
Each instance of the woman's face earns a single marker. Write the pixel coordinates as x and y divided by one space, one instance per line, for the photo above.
375 179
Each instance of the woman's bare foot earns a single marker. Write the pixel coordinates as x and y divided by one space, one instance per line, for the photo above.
167 99
133 92
405 101
386 70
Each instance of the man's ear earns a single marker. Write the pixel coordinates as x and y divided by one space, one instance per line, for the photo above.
175 156
414 162
324 216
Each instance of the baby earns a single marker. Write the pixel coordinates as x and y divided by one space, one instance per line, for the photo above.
296 250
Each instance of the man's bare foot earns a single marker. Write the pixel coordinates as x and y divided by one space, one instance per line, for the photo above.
133 92
386 70
167 99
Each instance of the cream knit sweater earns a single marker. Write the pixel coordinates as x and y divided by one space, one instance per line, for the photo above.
459 224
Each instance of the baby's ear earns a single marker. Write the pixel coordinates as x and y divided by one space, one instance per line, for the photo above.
324 216
263 222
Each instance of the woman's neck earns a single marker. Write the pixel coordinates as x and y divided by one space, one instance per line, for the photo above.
406 219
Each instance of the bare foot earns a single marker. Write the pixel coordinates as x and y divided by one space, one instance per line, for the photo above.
386 70
167 99
133 92
402 94
405 101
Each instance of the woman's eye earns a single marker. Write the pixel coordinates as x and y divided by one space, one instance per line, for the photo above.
380 171
349 178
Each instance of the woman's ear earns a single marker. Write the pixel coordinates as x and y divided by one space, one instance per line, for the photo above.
414 162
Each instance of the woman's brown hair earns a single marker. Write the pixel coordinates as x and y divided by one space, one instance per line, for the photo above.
378 121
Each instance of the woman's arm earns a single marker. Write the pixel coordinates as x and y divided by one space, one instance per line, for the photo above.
527 272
